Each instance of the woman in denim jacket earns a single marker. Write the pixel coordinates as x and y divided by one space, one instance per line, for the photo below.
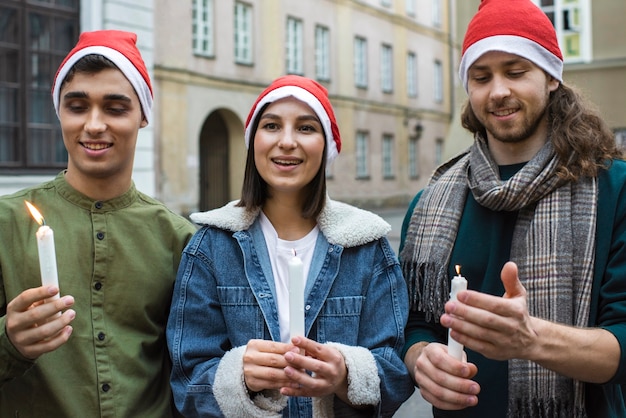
228 331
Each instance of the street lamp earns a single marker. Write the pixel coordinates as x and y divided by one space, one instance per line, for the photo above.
418 130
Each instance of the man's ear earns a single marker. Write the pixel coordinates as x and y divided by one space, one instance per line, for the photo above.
144 121
553 83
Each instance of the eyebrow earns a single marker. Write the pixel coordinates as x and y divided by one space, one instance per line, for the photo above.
507 63
313 118
84 95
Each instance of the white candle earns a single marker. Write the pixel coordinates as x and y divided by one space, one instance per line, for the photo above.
47 253
296 296
459 283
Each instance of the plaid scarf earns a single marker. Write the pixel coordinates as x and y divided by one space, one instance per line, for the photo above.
553 246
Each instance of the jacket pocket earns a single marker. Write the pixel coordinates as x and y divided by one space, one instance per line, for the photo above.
340 319
242 314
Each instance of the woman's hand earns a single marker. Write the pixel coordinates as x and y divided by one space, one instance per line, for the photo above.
329 373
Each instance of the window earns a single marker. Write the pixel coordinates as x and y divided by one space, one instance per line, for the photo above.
34 39
620 138
436 13
322 53
438 151
571 20
202 28
362 153
388 163
410 7
360 62
243 33
438 82
411 74
386 3
413 159
294 53
386 68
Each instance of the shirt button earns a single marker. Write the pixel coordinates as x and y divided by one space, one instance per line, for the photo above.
100 235
101 336
106 387
98 205
307 307
97 286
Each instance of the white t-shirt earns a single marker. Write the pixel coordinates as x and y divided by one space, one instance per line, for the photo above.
280 252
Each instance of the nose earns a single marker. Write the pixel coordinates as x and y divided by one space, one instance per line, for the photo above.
94 122
499 88
288 139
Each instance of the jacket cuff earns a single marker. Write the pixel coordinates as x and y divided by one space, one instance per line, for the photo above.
231 393
363 379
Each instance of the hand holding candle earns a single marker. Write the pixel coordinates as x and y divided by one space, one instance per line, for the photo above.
47 253
459 283
296 296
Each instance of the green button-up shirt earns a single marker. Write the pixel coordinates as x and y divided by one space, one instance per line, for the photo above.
118 259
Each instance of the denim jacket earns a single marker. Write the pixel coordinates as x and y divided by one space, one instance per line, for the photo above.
355 299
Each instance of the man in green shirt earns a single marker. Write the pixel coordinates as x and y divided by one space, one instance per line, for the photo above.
534 213
117 254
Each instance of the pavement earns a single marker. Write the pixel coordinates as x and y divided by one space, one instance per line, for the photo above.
394 216
415 406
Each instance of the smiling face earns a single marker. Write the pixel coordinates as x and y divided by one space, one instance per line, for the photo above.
288 147
100 118
509 96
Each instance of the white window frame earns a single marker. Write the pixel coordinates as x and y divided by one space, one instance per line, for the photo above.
386 68
438 81
243 33
203 39
294 46
388 156
322 53
362 155
572 23
411 74
360 62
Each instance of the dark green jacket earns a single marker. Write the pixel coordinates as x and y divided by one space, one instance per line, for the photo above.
482 247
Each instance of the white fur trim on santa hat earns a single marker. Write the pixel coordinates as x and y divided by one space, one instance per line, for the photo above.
511 44
306 97
124 64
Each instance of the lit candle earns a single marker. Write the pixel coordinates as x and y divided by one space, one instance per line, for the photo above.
47 254
458 283
296 296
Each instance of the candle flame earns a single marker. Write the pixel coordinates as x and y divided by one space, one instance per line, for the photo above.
35 213
458 269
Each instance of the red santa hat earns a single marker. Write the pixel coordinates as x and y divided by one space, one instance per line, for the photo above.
515 26
121 48
310 92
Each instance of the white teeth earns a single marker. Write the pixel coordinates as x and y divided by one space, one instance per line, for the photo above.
96 147
287 162
504 112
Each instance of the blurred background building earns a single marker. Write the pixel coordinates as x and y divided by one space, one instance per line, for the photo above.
389 66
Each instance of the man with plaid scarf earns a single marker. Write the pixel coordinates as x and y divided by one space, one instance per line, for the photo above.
534 213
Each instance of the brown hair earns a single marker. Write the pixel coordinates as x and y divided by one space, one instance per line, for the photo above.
582 140
254 191
89 64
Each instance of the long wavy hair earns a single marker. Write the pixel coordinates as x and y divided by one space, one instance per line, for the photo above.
582 140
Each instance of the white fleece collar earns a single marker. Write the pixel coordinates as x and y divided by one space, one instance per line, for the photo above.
341 224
